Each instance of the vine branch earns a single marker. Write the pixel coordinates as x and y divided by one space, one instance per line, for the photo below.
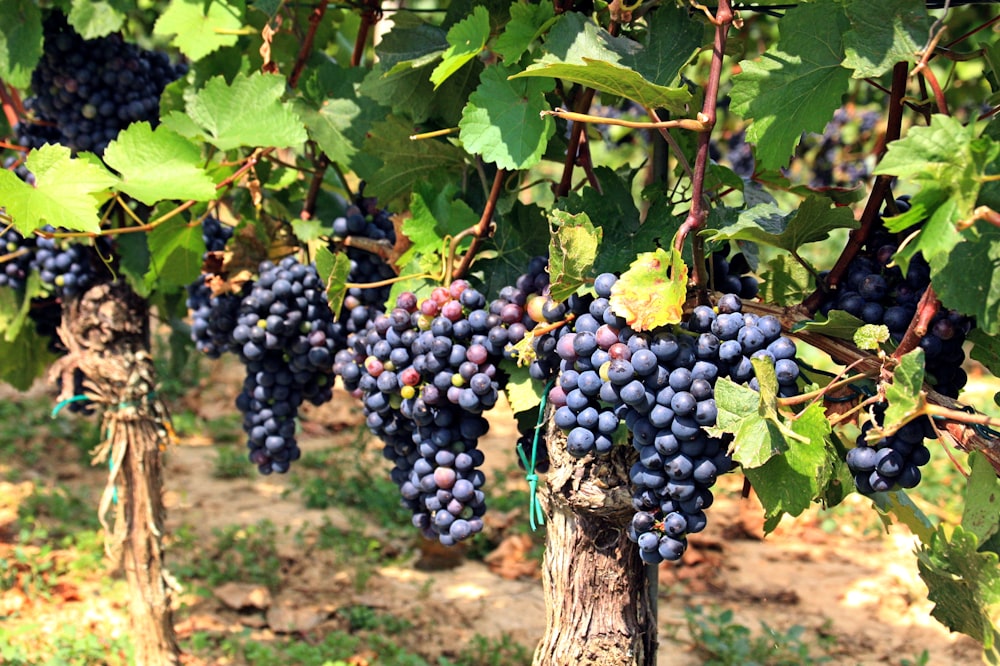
697 214
479 230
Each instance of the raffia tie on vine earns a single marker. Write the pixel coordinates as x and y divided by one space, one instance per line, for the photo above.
126 395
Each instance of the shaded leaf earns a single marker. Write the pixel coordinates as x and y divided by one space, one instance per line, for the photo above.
175 255
964 585
406 163
572 250
20 41
883 34
796 85
767 224
333 270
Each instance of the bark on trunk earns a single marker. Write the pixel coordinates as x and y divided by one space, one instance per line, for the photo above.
106 335
597 602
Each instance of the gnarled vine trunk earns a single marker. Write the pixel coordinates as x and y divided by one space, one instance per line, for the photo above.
597 603
106 334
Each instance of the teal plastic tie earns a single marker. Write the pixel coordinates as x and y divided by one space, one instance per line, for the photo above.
77 398
59 407
535 514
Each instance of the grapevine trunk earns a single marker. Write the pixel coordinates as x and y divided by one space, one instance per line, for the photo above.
106 334
598 608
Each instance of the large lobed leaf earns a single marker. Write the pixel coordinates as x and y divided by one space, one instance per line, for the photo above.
766 223
405 163
158 164
67 194
964 584
884 33
20 41
198 28
501 122
797 84
247 112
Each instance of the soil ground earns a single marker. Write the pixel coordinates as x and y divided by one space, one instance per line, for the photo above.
842 579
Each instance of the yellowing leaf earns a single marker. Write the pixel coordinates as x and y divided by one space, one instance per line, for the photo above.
651 292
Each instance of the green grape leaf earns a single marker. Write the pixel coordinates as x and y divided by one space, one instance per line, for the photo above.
522 233
767 224
899 504
25 358
67 193
788 282
651 292
333 270
767 380
931 209
328 124
247 112
904 393
406 163
883 34
521 390
572 250
796 85
527 23
466 40
158 164
986 350
673 37
974 292
616 80
613 211
756 438
175 252
964 585
981 514
96 19
411 43
20 41
269 7
871 336
15 307
575 37
790 482
580 51
199 28
945 155
435 214
501 122
133 260
838 324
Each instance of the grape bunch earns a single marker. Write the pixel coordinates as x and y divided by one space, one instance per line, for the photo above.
364 219
430 372
66 269
69 269
660 385
213 316
839 156
86 91
891 462
286 337
731 276
877 292
19 255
